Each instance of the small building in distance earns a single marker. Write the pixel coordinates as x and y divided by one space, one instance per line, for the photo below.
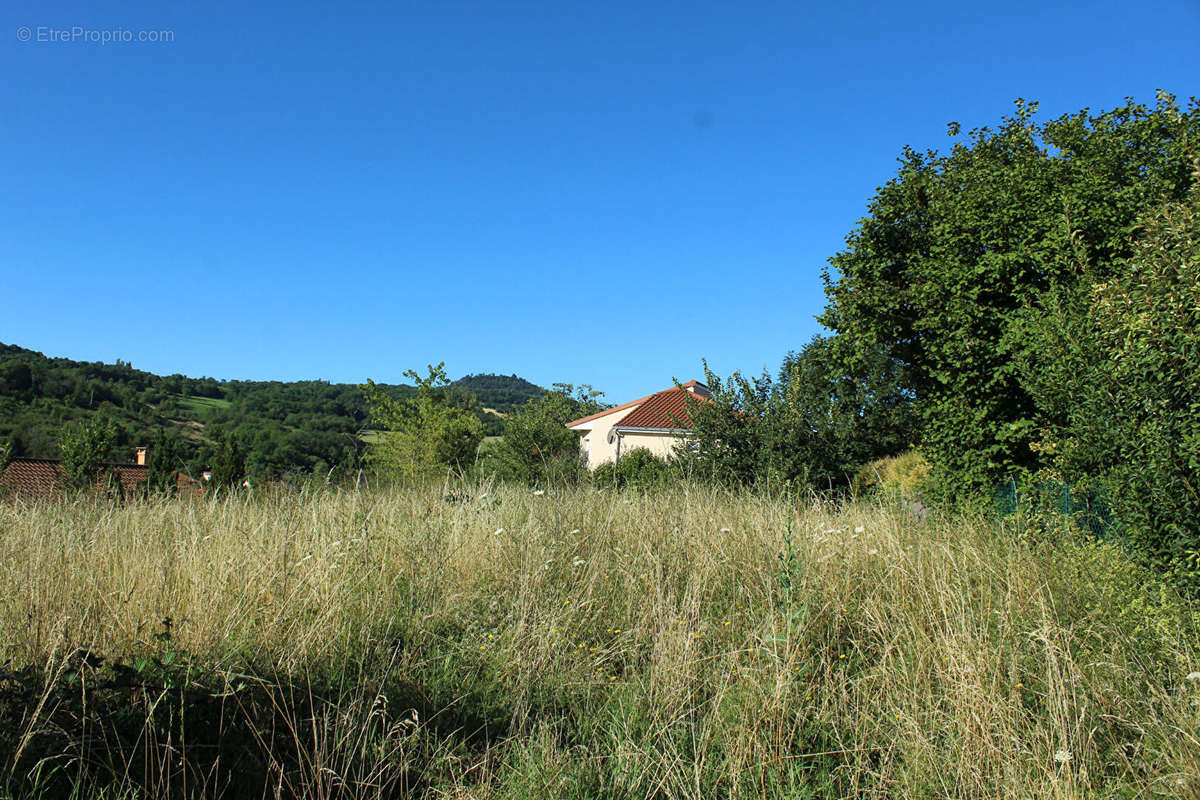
34 478
656 422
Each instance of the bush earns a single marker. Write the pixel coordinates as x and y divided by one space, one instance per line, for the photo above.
905 476
812 429
436 431
638 468
537 447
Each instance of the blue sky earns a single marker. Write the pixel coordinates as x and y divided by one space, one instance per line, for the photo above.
601 193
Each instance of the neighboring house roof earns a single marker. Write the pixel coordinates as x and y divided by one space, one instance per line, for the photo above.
45 476
655 410
32 476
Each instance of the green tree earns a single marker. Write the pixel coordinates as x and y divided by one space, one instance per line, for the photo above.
953 248
82 448
843 418
434 431
814 427
536 446
1115 368
229 464
729 442
162 464
16 379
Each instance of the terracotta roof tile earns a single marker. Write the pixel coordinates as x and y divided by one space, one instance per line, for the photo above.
701 391
604 413
32 477
666 409
44 477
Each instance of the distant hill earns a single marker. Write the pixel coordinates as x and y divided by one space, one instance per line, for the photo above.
294 426
501 392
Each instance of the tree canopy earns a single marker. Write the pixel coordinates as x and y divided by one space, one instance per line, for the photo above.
435 431
956 246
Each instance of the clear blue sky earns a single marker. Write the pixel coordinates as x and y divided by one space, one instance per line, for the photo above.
602 192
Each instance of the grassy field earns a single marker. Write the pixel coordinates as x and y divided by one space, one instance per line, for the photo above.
583 643
200 406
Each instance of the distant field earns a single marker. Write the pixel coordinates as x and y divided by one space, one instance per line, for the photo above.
499 643
374 436
200 405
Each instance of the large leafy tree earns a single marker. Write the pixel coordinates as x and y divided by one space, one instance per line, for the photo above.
1115 365
936 276
432 432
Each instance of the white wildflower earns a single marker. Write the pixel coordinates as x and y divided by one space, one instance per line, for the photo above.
498 531
1193 676
1062 756
539 492
578 561
574 530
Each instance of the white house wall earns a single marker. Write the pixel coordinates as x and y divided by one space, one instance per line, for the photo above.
596 448
594 444
660 445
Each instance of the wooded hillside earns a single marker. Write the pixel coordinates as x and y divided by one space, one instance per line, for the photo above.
283 427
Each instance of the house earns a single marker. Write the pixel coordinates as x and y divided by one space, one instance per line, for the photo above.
652 423
32 478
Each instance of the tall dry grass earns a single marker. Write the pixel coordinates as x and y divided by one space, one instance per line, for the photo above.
584 643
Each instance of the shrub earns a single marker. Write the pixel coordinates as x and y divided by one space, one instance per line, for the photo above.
83 446
537 447
905 476
813 428
638 468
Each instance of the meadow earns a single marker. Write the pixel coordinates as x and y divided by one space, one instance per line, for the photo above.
494 642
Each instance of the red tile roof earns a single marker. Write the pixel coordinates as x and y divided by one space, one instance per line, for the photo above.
44 477
604 413
32 477
655 410
667 409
